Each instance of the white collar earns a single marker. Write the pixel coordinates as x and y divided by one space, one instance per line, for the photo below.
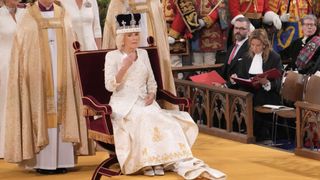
256 65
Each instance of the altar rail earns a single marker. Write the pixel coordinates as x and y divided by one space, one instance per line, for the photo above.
219 111
308 130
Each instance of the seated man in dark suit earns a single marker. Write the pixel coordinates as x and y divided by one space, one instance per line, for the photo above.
236 52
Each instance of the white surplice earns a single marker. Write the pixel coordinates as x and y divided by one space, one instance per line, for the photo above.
57 154
149 135
85 22
7 32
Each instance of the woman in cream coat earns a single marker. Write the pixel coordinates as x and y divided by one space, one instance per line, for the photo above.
152 24
148 139
10 15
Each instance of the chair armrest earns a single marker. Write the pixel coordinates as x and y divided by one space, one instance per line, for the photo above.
181 101
93 106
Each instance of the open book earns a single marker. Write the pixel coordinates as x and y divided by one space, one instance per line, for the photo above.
208 78
271 74
253 82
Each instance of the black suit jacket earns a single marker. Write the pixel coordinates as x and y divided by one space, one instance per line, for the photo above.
261 96
233 67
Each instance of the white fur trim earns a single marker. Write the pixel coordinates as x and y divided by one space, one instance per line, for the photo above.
128 30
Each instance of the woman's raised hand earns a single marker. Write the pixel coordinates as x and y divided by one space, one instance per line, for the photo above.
129 59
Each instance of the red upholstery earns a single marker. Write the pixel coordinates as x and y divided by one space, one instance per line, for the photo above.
96 97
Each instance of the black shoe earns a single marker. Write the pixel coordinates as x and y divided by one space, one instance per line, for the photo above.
55 171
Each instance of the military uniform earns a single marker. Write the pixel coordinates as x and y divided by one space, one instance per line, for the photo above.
252 9
292 29
184 22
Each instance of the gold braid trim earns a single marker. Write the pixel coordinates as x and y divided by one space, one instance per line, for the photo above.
56 23
98 136
173 33
208 21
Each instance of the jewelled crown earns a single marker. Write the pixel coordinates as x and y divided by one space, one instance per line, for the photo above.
127 23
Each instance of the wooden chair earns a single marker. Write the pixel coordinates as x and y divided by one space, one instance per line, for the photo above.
308 124
312 97
95 99
291 91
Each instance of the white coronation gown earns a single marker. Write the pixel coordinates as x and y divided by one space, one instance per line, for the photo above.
149 135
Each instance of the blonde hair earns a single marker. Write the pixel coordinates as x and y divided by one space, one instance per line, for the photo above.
120 41
261 35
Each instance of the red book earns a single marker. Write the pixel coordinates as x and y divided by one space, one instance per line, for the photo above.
247 82
253 82
271 74
208 78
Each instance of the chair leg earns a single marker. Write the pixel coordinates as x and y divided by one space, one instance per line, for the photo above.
276 129
273 128
103 168
287 129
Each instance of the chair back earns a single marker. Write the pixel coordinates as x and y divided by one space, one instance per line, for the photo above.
293 87
91 72
312 90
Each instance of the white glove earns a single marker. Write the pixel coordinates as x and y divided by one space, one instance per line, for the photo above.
277 23
171 40
285 17
271 17
202 23
238 16
252 28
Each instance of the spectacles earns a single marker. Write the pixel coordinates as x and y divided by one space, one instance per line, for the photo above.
240 28
309 24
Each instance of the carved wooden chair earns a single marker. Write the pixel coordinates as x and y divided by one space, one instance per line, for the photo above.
308 123
95 99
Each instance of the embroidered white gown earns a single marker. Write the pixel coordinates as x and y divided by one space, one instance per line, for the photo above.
149 135
7 32
85 22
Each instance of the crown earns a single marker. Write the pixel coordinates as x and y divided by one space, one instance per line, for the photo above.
127 23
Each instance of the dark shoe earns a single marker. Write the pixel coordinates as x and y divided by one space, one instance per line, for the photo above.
55 171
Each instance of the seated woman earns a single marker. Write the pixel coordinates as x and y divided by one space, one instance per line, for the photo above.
148 139
302 54
259 59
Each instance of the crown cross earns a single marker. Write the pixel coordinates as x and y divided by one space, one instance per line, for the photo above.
123 23
132 22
